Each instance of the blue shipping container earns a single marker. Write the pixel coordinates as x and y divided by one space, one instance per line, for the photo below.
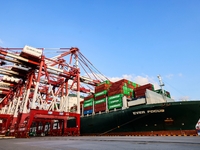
87 112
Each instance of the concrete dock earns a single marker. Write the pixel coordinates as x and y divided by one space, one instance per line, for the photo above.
102 143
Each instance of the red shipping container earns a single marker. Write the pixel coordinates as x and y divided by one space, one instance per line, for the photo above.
120 91
100 105
122 81
114 85
101 109
102 85
146 86
114 88
101 89
131 86
88 108
100 97
140 92
89 97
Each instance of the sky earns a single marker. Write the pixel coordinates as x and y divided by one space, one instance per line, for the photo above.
132 39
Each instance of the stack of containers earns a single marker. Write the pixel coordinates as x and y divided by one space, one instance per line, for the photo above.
140 91
101 91
119 89
88 104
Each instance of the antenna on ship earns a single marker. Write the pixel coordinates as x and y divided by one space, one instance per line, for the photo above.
161 86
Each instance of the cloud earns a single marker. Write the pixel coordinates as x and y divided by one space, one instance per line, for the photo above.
184 98
180 74
169 76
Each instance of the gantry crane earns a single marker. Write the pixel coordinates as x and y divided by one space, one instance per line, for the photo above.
34 90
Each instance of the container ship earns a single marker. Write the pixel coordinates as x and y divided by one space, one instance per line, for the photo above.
127 108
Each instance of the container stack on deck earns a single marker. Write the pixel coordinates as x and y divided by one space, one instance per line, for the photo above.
140 91
109 95
88 105
117 91
101 91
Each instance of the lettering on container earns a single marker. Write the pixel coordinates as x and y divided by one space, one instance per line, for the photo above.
115 101
148 111
115 96
100 101
33 49
100 93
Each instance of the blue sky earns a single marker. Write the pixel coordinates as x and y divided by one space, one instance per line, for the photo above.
133 39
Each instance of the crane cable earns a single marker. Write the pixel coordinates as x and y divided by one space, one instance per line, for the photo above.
81 55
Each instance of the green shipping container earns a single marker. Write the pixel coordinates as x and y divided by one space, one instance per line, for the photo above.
100 93
115 106
115 96
134 84
115 101
100 101
88 104
125 90
88 101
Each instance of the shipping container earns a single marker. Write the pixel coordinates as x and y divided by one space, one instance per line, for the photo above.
100 97
100 107
104 82
146 86
115 101
100 93
88 112
99 101
97 90
89 97
88 101
115 106
88 104
115 96
102 87
88 108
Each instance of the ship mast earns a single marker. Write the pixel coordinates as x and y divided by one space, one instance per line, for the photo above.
161 86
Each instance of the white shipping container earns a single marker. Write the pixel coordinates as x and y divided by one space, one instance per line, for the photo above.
137 102
32 51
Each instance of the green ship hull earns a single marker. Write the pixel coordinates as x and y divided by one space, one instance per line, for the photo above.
171 118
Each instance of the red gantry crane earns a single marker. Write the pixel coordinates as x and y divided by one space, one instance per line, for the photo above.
34 91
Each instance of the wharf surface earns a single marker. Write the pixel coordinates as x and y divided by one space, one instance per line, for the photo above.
102 143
